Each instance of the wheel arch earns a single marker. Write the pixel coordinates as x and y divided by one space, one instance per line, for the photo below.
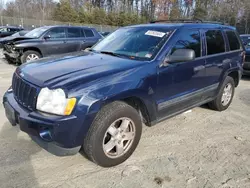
140 106
33 49
235 75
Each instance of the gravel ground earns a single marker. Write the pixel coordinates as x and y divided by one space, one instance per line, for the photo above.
202 148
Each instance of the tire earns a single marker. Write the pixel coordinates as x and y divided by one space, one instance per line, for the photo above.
99 131
217 103
26 54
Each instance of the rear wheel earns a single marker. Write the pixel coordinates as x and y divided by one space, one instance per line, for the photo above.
225 96
30 55
114 134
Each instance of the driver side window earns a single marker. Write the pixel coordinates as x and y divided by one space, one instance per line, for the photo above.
189 40
57 33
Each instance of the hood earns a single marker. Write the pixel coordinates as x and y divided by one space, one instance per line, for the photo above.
13 39
65 70
2 40
23 39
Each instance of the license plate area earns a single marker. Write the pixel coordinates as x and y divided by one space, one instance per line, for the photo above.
10 113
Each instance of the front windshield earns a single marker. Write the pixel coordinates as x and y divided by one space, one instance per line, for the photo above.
36 33
135 42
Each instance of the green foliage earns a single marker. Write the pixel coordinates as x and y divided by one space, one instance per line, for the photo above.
175 12
200 13
64 12
94 15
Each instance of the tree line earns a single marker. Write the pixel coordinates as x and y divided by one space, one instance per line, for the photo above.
127 12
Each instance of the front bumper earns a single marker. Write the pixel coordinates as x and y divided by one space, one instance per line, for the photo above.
13 56
62 131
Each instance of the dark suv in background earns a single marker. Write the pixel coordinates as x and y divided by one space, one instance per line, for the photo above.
8 30
246 41
50 40
99 99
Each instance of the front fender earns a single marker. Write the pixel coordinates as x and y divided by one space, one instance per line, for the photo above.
92 96
24 45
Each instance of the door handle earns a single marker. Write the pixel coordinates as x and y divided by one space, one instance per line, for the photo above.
199 68
64 41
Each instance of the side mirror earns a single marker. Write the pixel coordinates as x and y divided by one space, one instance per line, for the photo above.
181 55
46 37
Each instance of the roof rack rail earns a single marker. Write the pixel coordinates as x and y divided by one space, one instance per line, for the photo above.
187 21
215 22
178 20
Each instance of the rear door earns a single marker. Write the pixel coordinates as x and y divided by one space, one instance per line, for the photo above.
217 60
74 39
90 38
56 43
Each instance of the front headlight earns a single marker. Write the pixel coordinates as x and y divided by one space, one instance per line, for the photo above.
55 102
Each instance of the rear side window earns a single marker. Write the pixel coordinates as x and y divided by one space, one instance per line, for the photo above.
88 33
57 33
189 40
233 40
74 32
215 42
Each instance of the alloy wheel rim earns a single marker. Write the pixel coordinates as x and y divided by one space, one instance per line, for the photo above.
227 94
119 137
32 57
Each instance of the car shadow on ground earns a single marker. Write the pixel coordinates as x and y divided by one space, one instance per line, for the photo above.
9 62
245 96
246 78
16 151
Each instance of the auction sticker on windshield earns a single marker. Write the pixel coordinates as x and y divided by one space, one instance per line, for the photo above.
155 33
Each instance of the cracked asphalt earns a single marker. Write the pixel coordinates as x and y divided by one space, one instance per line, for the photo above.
201 148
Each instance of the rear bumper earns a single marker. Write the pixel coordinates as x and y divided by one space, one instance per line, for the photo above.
61 129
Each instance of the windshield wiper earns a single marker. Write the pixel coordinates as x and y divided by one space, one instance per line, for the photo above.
110 53
117 55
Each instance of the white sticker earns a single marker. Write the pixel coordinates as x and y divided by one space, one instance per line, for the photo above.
155 33
148 55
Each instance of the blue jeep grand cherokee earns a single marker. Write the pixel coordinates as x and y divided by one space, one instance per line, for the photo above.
99 99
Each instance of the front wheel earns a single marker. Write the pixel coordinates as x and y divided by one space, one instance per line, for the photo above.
30 55
225 96
114 134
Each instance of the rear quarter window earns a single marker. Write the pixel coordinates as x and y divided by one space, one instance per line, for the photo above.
215 42
88 33
74 32
233 40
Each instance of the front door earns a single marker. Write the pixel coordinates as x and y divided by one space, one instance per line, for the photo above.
180 85
56 43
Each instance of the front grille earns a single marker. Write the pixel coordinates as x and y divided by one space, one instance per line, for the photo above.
24 93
